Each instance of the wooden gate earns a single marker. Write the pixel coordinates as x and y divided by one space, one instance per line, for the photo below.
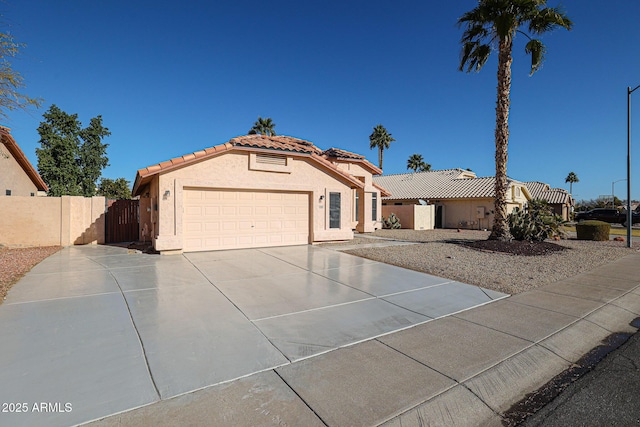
123 221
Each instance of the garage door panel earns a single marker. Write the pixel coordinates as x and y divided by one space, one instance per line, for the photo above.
261 225
211 227
261 210
245 210
211 210
229 210
244 226
194 227
193 210
229 226
221 219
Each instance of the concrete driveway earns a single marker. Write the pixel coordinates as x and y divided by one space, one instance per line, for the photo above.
96 330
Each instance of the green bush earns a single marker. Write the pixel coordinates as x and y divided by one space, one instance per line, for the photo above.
536 223
593 230
392 222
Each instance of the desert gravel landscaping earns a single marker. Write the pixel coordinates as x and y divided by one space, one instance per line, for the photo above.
16 262
445 253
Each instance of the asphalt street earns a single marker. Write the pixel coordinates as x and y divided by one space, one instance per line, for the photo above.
609 395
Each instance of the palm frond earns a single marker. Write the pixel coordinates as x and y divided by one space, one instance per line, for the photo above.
474 56
536 49
548 19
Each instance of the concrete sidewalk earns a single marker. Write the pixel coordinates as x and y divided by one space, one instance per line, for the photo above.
465 369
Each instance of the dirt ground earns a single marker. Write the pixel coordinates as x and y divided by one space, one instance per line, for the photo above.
16 262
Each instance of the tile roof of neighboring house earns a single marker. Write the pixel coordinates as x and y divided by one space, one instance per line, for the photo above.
287 144
540 190
439 184
22 160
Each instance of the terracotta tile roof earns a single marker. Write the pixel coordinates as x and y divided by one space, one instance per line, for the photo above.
280 143
341 154
439 184
22 160
540 190
288 144
344 155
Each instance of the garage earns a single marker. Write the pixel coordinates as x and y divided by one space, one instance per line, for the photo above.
257 191
216 219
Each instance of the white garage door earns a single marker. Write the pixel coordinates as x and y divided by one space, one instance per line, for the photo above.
221 219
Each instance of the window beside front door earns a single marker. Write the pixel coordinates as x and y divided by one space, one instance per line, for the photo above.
357 218
374 206
334 210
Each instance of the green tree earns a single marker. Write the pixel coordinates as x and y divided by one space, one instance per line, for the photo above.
263 127
10 80
571 178
114 189
380 139
71 158
417 163
495 23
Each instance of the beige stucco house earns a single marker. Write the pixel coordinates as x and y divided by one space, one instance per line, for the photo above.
257 191
17 176
559 199
461 199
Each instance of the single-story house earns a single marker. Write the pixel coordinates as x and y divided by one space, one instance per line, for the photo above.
257 191
461 199
18 177
559 199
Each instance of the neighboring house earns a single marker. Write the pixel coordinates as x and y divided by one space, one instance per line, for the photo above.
560 200
461 199
256 191
17 176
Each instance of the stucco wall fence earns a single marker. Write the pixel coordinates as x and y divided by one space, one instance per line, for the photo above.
51 221
414 217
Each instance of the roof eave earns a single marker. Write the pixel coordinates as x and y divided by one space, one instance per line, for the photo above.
144 176
22 160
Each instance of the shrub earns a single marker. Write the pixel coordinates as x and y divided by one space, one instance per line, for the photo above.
392 222
593 230
536 223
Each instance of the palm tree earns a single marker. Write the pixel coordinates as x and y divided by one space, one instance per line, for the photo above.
417 164
380 139
495 23
571 178
263 127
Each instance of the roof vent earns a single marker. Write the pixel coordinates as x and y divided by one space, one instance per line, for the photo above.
271 159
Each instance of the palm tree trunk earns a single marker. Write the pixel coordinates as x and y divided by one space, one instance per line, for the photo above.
500 226
380 149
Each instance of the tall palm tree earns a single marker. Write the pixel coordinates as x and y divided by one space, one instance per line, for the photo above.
380 139
571 178
417 163
263 127
495 23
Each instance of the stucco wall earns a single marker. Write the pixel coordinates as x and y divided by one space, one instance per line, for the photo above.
51 221
232 171
13 177
366 223
413 217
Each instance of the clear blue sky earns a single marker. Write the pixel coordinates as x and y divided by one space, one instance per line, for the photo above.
174 77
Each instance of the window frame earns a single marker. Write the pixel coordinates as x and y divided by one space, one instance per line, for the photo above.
335 212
